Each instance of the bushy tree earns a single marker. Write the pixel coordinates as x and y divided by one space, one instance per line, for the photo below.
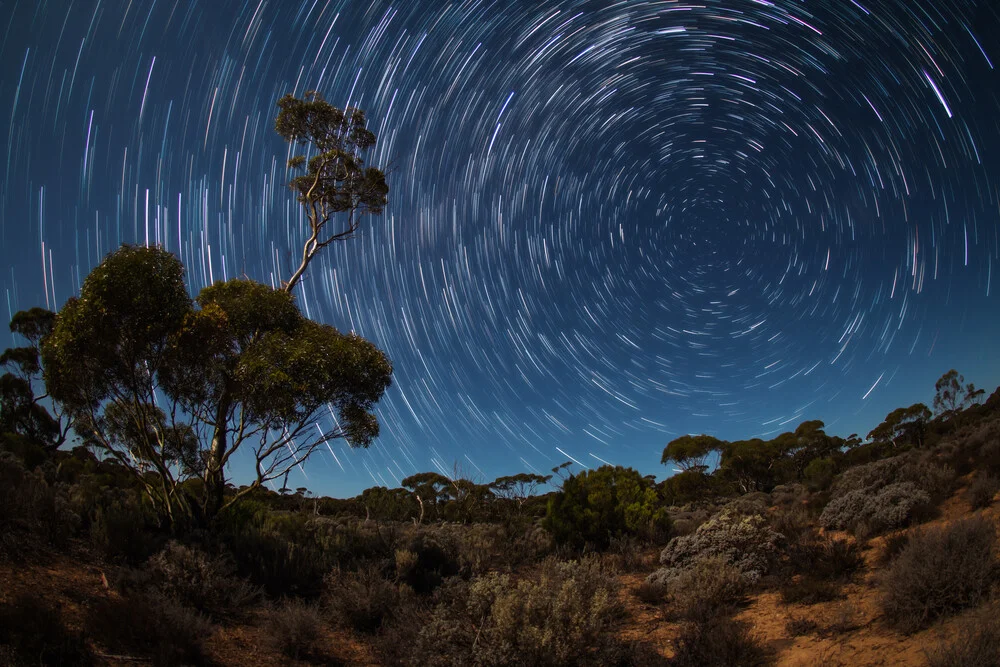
690 451
902 426
176 388
336 179
596 505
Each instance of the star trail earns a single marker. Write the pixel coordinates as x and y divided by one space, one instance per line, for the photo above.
609 223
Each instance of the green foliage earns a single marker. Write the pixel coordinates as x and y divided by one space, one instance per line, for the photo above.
336 179
243 367
940 571
689 486
21 412
596 505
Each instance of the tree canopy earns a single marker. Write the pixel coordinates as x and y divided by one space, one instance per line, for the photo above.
176 387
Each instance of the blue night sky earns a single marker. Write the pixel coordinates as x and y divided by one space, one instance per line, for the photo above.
610 223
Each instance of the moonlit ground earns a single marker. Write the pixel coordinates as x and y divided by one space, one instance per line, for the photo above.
610 223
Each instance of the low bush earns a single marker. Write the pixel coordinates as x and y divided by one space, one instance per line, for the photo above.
745 542
364 600
873 511
939 572
33 633
711 585
150 625
33 511
294 629
809 590
796 626
825 557
426 562
719 641
564 617
124 530
975 643
982 490
198 580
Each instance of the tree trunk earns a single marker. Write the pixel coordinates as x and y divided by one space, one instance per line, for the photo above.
215 480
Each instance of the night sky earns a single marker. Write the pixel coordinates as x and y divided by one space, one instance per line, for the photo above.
609 223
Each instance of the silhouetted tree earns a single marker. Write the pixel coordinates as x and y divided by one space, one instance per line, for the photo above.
903 426
690 451
952 394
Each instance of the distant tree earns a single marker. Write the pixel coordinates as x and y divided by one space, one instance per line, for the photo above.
596 505
518 488
752 465
336 179
690 451
953 394
22 411
164 387
429 489
903 426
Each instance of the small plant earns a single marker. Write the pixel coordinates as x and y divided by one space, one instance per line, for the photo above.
976 642
198 580
939 572
796 626
719 641
982 490
294 628
709 587
892 547
808 590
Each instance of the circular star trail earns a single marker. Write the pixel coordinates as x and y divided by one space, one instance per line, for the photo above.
610 223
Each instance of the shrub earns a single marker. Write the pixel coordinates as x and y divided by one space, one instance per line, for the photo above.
198 580
708 587
796 626
31 509
873 511
151 625
596 505
278 552
746 542
819 473
976 642
294 629
33 634
939 572
123 530
561 618
426 562
809 590
826 557
363 600
718 641
982 490
892 547
916 468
